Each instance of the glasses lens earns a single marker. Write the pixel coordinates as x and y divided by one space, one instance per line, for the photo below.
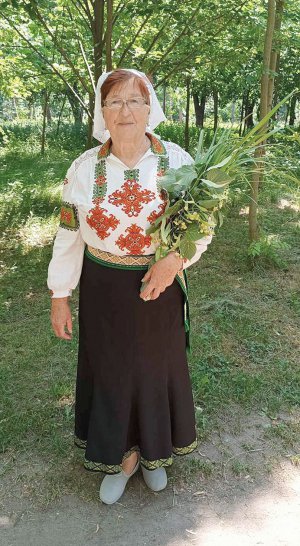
133 104
114 104
136 102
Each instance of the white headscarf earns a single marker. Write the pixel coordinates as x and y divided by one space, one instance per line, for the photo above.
156 115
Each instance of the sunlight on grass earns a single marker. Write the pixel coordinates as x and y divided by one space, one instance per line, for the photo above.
285 203
37 232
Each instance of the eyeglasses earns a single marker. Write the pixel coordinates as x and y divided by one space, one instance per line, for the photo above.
133 104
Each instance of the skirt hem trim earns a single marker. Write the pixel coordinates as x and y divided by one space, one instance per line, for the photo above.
149 465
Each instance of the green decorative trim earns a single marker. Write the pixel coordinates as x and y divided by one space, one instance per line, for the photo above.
132 174
187 449
183 283
162 166
157 146
100 183
69 218
150 465
159 463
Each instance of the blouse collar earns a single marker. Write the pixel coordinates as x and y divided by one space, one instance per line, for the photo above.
157 147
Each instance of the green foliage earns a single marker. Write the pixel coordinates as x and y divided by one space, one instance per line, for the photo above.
269 247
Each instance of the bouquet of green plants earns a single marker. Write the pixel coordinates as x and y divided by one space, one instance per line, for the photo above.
195 194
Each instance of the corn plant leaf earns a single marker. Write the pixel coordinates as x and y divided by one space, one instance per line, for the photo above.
221 164
212 184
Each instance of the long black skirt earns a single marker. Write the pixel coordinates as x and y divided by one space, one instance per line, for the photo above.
133 390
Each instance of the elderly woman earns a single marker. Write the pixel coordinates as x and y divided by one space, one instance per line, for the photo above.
134 403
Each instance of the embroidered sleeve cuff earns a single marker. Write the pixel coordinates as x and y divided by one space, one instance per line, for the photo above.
60 293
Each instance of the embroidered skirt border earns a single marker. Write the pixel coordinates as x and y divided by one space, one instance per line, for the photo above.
149 465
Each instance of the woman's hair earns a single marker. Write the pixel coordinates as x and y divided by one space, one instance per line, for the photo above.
120 76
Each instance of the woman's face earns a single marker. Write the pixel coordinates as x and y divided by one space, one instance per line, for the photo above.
126 125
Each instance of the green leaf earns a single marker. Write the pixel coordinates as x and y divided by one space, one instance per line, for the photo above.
187 248
218 176
208 203
265 119
221 164
193 232
211 184
220 218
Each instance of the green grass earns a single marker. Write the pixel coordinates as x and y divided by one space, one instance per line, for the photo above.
245 321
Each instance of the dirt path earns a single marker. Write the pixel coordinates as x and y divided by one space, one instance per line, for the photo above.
252 497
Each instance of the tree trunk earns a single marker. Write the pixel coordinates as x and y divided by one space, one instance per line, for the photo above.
45 106
249 113
109 34
89 139
275 51
187 116
292 112
232 118
49 115
216 107
197 108
257 175
75 106
242 115
98 39
60 114
164 98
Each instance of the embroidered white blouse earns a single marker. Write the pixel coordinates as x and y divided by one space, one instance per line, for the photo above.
108 206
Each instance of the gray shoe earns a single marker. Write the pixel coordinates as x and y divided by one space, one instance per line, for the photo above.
113 486
155 479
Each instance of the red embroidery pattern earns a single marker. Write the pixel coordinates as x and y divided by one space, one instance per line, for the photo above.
104 149
131 197
156 145
101 222
65 216
135 241
155 214
69 216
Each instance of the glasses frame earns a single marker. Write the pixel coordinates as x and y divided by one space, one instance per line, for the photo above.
126 101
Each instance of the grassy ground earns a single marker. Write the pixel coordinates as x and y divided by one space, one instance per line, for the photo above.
245 329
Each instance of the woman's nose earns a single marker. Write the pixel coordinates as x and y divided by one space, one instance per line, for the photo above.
125 109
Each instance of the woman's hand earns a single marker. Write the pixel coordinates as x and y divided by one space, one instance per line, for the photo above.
160 276
61 317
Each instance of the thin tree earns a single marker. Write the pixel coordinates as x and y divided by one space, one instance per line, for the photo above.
264 97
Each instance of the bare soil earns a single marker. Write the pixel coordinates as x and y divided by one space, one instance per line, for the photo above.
240 488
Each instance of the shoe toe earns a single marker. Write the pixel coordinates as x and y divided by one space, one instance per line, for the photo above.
155 479
112 488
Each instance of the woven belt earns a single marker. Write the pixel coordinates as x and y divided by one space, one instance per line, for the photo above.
112 260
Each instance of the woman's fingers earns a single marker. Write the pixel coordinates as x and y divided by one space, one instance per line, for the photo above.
147 276
156 292
69 324
61 319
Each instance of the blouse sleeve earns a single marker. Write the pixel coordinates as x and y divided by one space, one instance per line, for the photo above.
201 244
65 266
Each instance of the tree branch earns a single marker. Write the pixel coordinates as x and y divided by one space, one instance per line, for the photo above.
60 49
156 37
31 46
191 54
185 28
134 38
81 14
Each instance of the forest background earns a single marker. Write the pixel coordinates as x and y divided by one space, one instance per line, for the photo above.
208 63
